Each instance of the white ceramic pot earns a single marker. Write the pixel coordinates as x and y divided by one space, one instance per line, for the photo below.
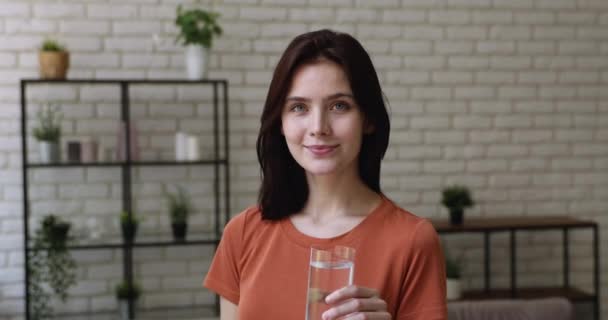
123 308
49 152
453 289
197 57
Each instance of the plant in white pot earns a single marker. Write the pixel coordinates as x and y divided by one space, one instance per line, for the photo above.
453 281
197 28
48 133
125 292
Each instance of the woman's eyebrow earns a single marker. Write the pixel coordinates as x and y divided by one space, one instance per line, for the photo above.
330 97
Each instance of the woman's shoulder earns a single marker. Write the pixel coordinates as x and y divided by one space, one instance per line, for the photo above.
246 222
417 231
251 214
400 217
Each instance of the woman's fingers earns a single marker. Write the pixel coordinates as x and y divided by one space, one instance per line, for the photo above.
335 313
354 302
369 306
368 316
350 292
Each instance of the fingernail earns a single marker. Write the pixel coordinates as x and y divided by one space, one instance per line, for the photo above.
329 298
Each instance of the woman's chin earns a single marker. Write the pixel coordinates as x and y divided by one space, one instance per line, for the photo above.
321 170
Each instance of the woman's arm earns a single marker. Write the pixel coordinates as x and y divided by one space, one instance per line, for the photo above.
228 310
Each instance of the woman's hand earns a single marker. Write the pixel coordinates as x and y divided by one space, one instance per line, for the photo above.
354 302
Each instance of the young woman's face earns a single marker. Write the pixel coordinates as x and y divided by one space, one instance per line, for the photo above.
322 124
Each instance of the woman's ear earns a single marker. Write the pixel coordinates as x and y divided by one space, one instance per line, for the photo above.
368 128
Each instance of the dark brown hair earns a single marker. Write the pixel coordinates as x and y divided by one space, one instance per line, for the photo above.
284 189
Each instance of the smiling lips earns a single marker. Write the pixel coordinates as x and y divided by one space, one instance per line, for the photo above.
321 150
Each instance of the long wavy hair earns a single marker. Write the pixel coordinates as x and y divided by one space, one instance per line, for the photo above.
284 189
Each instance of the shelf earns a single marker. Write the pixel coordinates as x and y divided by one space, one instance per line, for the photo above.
111 239
124 163
199 313
162 240
129 81
476 224
572 294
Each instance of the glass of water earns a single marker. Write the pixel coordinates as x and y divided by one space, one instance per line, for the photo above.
329 270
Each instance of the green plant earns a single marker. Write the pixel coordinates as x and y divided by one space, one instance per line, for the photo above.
179 206
197 26
52 46
125 291
50 266
49 124
128 219
457 197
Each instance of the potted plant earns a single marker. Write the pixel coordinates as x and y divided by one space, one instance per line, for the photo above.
128 224
126 292
51 268
197 28
179 209
54 60
453 281
48 133
456 198
55 231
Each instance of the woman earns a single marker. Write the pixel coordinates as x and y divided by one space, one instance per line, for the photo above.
324 131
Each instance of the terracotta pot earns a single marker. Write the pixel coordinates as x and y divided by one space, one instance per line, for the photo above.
53 65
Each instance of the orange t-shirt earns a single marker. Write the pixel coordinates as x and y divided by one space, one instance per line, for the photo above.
262 266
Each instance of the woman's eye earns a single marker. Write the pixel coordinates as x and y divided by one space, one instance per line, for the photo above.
340 106
298 108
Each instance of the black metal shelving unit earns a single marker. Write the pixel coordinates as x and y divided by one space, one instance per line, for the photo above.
126 167
513 224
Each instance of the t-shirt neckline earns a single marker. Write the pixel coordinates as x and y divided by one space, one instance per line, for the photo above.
304 240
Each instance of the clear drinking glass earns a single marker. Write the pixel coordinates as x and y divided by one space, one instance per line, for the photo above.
328 271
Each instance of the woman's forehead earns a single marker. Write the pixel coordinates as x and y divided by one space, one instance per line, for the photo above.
319 79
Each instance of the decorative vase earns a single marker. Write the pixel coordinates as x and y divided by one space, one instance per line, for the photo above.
196 61
456 216
453 289
129 230
179 231
74 150
121 143
53 65
89 151
49 152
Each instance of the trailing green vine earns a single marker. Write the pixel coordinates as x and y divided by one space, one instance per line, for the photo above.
51 267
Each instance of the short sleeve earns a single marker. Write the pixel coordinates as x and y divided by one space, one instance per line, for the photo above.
423 289
224 273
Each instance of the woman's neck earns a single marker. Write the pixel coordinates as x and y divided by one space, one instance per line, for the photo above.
335 196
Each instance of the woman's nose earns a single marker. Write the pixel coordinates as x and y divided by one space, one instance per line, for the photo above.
319 125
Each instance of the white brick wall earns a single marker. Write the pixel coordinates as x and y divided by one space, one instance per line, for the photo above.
506 96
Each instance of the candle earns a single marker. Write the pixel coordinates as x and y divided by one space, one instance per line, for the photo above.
193 152
180 146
